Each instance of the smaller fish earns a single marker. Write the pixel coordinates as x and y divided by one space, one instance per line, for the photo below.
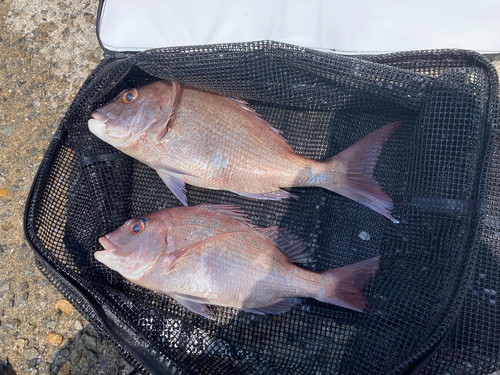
220 259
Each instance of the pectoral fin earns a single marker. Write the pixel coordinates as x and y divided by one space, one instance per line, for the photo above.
160 127
176 185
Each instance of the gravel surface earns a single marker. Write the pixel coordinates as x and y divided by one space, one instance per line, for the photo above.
48 48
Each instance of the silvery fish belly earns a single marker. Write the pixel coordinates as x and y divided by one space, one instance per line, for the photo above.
216 142
212 255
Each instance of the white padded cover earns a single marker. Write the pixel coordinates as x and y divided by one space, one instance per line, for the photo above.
351 26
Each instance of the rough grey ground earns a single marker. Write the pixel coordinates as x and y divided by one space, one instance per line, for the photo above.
47 49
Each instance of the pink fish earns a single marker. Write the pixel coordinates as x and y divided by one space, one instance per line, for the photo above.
216 142
212 255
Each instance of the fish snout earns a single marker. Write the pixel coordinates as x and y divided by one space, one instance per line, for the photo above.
97 124
107 243
96 115
106 256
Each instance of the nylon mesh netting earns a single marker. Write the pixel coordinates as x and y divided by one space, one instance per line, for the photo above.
432 306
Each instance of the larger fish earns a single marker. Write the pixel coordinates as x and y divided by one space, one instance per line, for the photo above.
238 266
216 142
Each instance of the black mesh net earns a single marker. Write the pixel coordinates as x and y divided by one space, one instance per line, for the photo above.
433 304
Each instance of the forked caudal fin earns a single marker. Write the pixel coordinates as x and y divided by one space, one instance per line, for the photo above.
359 161
347 283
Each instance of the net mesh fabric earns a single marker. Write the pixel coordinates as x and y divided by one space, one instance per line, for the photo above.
437 284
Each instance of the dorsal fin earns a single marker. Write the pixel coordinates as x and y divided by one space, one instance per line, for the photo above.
244 104
294 247
275 130
232 211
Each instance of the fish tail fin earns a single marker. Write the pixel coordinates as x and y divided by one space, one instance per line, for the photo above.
358 181
345 284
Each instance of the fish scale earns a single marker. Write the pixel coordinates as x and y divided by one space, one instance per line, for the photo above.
212 262
234 138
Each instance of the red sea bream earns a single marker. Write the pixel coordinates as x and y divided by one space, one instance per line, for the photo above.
212 255
215 142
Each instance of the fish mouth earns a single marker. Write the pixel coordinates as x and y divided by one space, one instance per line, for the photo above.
108 244
109 248
97 124
96 115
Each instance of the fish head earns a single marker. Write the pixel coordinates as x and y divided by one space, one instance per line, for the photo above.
134 247
130 114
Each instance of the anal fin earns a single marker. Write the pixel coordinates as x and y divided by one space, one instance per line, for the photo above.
273 195
277 308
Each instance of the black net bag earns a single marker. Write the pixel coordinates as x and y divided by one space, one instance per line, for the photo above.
432 306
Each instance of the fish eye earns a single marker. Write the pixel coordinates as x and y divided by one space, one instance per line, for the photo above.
129 96
137 226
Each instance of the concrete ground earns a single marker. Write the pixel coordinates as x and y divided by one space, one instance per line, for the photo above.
47 49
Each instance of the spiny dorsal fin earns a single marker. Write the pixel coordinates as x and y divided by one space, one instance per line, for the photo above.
232 211
290 244
244 104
